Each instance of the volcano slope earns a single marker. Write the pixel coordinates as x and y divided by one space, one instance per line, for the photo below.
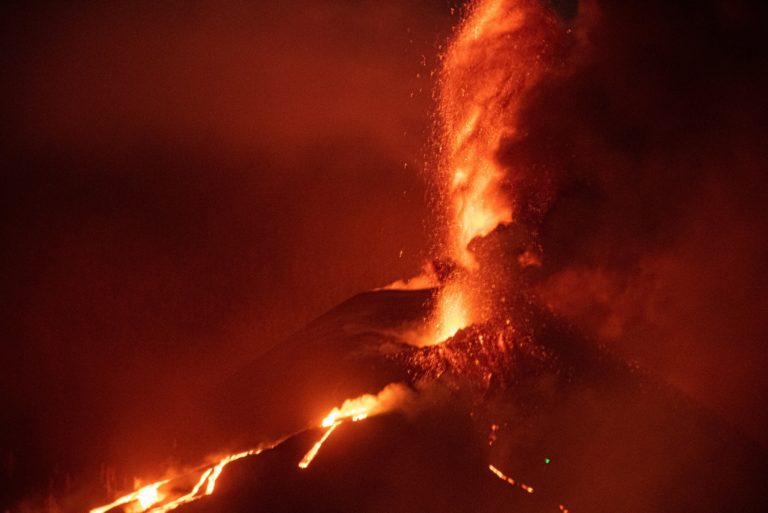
565 425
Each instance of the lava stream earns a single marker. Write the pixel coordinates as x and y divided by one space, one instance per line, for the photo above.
307 459
145 499
390 397
149 498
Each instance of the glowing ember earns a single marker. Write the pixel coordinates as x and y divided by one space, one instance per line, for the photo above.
501 475
494 434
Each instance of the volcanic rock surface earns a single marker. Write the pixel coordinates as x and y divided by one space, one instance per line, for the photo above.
553 412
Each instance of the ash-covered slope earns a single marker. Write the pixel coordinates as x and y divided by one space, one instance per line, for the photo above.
344 353
554 413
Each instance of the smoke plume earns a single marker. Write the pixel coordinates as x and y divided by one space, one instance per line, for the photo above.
637 168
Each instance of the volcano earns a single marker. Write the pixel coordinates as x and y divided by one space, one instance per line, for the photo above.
562 425
567 218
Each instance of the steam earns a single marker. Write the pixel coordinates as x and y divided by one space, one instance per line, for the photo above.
390 398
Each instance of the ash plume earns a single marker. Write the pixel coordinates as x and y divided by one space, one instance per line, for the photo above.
637 169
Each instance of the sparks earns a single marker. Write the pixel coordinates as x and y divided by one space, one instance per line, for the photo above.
489 66
475 119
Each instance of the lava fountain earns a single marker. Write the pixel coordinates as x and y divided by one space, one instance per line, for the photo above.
498 55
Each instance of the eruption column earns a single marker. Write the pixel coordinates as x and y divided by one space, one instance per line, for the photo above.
496 57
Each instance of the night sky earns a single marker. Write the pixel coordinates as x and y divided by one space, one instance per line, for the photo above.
187 183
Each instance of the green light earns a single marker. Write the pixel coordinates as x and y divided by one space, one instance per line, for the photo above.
547 460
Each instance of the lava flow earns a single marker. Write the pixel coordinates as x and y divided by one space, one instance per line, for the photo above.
354 410
144 498
149 497
152 499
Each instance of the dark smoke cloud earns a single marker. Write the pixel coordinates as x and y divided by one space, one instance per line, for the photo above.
186 183
649 136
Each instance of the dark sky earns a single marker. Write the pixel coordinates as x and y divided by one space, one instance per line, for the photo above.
185 183
641 172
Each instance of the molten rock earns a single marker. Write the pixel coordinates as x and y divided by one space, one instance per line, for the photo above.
509 416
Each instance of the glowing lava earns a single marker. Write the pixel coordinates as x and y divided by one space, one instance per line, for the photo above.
307 459
480 89
360 408
452 313
147 498
501 475
144 498
497 56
